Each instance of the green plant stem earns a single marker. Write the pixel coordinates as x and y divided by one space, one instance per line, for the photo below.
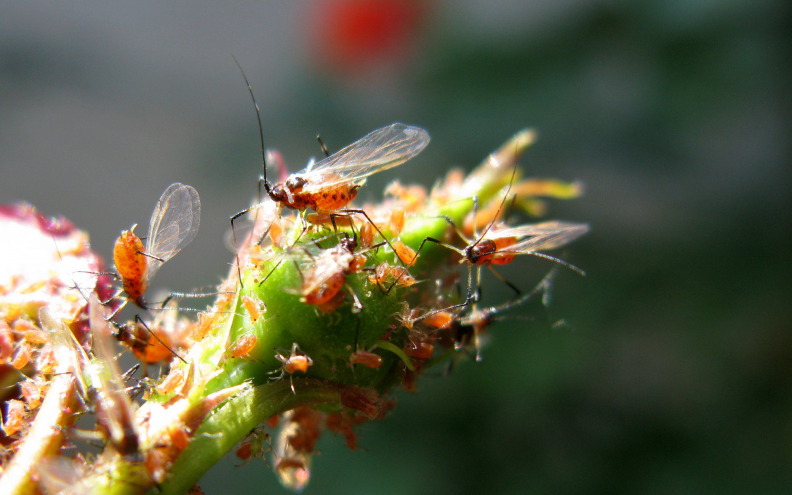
226 426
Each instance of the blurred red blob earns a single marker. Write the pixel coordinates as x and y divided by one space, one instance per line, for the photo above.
360 35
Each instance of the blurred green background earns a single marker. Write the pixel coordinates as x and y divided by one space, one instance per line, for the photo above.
672 372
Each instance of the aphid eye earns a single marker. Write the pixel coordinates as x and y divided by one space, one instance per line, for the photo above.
295 182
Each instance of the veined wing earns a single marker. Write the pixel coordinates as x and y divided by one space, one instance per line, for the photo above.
327 265
174 224
539 237
378 150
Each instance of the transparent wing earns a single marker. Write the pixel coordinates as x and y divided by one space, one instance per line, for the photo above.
378 150
540 236
326 267
174 224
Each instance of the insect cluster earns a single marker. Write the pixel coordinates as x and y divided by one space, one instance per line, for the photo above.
329 307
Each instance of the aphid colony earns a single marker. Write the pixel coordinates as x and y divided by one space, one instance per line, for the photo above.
396 259
361 298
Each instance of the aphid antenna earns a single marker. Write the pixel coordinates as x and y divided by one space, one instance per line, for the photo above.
497 213
322 145
262 177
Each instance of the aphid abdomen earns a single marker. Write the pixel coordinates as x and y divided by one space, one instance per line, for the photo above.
242 346
499 257
326 290
131 265
366 358
333 198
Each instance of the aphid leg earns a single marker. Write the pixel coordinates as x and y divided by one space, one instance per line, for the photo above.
357 306
271 272
139 320
234 236
387 241
188 295
561 262
504 280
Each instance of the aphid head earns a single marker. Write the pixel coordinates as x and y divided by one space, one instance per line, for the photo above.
278 193
478 250
348 243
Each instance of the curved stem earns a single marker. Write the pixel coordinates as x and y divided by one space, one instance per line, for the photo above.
232 421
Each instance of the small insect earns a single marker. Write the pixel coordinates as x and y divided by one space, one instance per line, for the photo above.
296 361
472 326
386 274
98 378
242 346
255 444
172 381
366 358
324 281
174 224
14 420
147 345
499 245
254 307
332 183
294 447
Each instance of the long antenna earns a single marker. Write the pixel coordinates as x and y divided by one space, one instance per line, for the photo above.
263 176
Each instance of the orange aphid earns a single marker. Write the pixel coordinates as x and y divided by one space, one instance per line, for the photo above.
296 361
22 356
419 350
405 253
14 419
174 224
174 380
384 273
367 234
202 326
254 307
328 275
147 347
366 358
366 401
32 392
440 319
242 346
